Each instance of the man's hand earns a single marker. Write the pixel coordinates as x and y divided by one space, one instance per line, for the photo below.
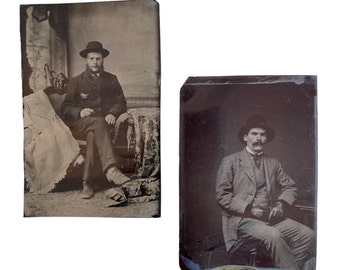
257 213
277 212
110 119
86 112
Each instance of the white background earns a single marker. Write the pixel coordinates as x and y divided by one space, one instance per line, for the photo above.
198 38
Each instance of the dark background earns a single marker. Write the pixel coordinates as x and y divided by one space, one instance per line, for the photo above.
212 111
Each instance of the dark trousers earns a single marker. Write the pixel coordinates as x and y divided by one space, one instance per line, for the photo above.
96 133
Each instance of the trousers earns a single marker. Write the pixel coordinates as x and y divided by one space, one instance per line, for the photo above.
289 243
99 143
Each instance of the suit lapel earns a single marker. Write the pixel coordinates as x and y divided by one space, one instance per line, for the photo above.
247 166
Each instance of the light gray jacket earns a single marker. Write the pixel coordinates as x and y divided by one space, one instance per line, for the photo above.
236 189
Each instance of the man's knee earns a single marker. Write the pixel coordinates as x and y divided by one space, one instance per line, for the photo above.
99 123
306 236
99 126
310 237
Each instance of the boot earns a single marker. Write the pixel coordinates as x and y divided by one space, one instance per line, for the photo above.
88 191
114 175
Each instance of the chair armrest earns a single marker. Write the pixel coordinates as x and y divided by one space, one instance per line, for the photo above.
123 118
305 214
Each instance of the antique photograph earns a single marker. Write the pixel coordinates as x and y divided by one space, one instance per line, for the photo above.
248 172
91 108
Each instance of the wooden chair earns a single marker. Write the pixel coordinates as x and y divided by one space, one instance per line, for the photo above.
250 253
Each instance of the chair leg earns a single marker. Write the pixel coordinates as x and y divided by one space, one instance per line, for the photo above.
252 257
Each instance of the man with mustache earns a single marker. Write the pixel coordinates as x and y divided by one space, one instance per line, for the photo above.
255 195
93 102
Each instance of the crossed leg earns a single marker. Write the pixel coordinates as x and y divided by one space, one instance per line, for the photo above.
289 243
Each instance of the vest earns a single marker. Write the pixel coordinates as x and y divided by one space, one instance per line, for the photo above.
261 199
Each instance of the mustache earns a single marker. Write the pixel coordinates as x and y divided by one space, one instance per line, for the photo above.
96 65
258 144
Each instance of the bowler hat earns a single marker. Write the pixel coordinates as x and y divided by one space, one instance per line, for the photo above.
94 46
256 121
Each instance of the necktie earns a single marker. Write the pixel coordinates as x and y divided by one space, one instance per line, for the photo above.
95 74
257 160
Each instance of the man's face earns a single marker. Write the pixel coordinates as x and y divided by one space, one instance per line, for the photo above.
94 61
255 139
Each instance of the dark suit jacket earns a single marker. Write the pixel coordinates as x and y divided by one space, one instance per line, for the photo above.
236 189
104 95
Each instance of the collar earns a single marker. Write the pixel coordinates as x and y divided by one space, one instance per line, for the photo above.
90 74
252 153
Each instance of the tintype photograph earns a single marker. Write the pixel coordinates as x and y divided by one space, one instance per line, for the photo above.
248 172
91 108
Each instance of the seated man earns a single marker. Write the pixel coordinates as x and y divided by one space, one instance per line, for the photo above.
92 104
254 193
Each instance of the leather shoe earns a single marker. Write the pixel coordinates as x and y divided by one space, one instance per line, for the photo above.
88 191
114 175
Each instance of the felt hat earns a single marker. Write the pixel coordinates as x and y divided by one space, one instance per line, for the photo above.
94 46
256 121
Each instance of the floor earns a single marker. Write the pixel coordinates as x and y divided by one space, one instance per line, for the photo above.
209 253
66 201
